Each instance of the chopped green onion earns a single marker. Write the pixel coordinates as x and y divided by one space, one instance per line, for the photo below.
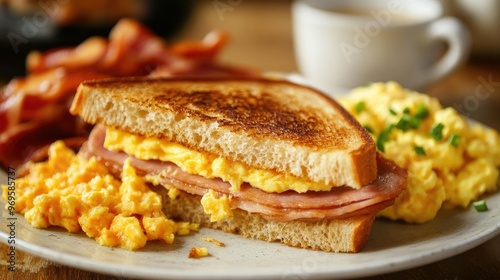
403 124
455 139
437 132
419 150
368 128
406 110
406 122
360 106
383 137
392 112
422 111
414 122
480 205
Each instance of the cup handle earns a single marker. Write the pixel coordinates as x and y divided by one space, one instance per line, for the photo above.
452 31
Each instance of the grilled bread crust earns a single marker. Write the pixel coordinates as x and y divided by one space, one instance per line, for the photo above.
265 124
342 235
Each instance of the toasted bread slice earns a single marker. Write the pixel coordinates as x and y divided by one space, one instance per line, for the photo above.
345 235
265 124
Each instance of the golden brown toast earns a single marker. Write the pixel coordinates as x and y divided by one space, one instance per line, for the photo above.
344 235
266 124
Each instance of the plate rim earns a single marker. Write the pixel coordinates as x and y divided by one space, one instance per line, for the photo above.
373 269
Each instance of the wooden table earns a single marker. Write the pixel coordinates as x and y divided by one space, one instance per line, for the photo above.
262 38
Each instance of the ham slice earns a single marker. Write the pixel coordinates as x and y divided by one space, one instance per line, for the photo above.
340 202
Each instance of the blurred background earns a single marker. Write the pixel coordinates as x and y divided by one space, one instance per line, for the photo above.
27 25
253 25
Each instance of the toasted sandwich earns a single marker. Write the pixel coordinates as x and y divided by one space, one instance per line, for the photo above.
267 159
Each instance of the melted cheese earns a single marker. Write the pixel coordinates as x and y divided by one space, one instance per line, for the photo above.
206 165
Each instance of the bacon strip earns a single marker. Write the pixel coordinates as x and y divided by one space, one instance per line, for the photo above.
340 202
33 109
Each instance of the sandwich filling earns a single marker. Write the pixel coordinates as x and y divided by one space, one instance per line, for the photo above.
336 203
207 165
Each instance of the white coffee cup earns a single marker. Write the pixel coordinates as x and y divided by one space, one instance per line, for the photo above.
341 44
483 19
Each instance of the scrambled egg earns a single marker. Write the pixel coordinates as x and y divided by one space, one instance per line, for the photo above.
77 194
198 252
206 165
450 163
213 240
219 208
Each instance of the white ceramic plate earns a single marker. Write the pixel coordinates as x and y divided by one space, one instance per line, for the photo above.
392 246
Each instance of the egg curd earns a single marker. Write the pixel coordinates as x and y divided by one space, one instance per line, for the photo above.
219 208
77 194
206 165
450 162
